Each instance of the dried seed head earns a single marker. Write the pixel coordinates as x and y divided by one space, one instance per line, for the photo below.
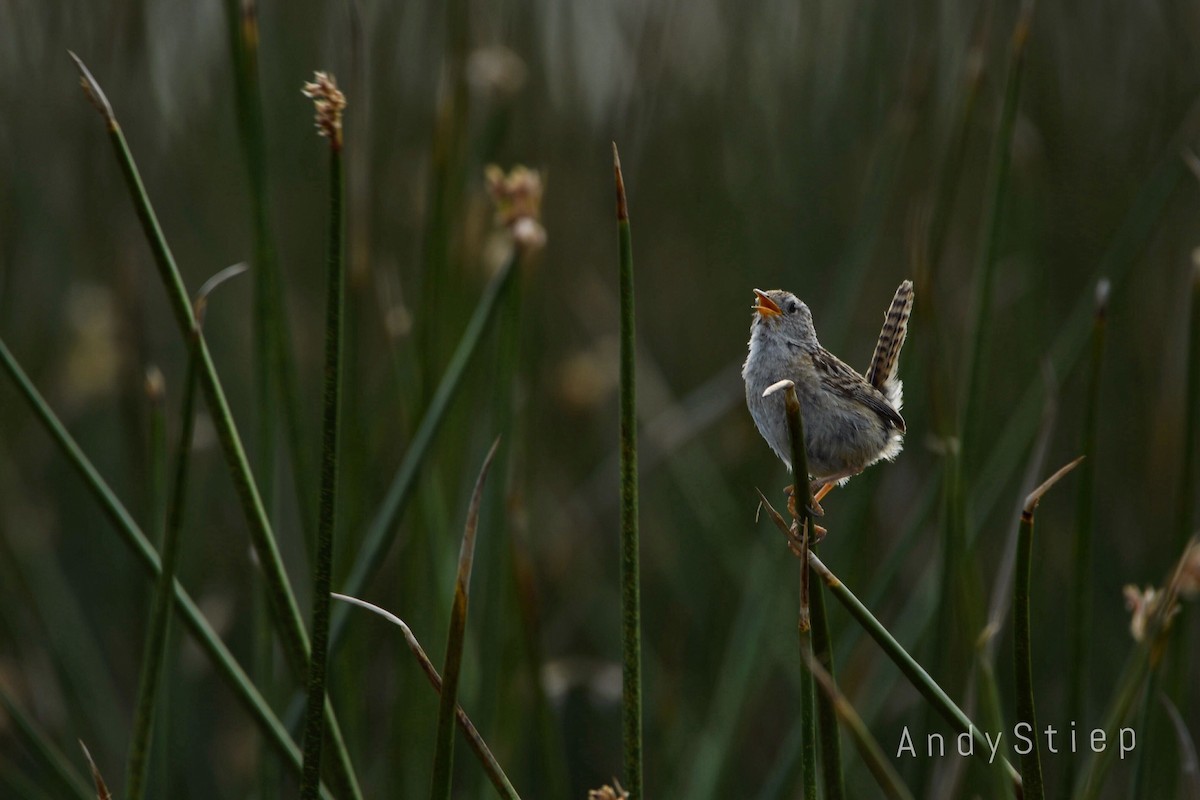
518 199
614 792
329 102
1147 616
1141 604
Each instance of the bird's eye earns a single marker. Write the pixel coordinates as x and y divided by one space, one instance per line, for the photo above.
792 307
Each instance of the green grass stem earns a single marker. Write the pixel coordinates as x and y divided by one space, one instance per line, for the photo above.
913 671
802 493
443 760
827 713
916 675
487 760
155 650
314 727
631 624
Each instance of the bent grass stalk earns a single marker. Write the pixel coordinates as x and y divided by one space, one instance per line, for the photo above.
443 759
631 625
491 767
1031 762
289 624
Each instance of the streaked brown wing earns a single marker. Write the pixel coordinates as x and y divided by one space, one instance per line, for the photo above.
840 377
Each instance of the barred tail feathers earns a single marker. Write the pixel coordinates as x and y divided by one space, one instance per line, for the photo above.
882 372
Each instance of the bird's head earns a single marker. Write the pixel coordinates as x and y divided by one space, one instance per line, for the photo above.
777 311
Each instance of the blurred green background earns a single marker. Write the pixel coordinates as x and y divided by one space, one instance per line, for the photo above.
799 145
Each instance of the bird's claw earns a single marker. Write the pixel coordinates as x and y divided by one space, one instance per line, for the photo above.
814 510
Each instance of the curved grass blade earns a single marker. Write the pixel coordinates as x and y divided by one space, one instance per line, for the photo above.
490 766
443 758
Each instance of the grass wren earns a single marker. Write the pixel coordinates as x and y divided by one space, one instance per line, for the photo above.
850 420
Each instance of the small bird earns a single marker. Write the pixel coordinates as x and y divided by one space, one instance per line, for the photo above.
850 420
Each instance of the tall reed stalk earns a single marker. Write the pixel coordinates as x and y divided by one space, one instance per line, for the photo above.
631 622
329 102
802 494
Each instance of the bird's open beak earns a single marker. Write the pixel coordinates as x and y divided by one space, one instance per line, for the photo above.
766 307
